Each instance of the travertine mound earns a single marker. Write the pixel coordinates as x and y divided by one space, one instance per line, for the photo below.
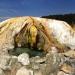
46 35
35 32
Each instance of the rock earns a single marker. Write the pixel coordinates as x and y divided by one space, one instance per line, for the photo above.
48 64
62 73
67 68
70 54
15 67
38 72
24 59
35 66
70 61
24 71
37 59
4 62
70 58
13 60
1 72
52 64
8 64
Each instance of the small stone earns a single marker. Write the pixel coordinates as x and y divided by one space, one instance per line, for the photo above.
70 53
24 59
24 71
67 68
37 59
1 72
4 62
35 66
13 60
38 72
62 73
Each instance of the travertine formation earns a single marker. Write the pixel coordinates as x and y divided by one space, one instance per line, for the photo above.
35 32
55 38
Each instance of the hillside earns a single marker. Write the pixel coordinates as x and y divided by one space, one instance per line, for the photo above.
69 18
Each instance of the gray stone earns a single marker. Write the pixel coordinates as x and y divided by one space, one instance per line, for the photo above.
1 72
24 59
24 71
37 72
70 54
62 73
13 60
4 62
